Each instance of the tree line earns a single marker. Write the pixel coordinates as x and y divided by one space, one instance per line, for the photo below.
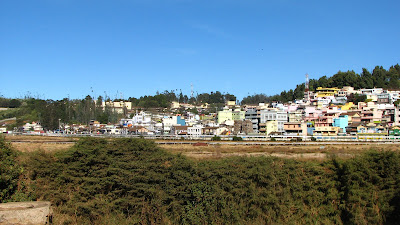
379 78
9 103
164 99
53 113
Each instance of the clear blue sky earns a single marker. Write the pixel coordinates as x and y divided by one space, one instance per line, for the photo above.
55 48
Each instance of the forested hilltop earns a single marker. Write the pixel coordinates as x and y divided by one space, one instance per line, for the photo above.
131 181
81 111
379 78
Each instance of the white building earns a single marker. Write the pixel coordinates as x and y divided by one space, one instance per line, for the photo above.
194 130
270 115
33 127
141 119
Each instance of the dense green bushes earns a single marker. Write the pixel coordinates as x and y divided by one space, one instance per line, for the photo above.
370 188
12 182
132 180
216 138
236 138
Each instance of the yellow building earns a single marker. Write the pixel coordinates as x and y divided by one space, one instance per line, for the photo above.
269 127
231 103
326 131
229 115
347 106
326 92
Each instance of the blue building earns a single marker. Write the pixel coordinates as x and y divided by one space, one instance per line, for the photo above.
342 122
180 121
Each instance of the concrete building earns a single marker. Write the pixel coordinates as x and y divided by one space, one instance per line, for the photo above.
252 115
179 130
326 92
270 115
230 115
371 91
295 128
326 131
269 127
397 115
242 127
195 130
119 107
342 122
295 116
169 121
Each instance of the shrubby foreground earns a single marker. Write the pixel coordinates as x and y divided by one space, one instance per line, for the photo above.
126 181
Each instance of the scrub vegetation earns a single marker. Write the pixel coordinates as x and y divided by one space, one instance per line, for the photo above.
128 181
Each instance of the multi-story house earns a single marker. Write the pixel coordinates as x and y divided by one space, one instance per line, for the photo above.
270 115
397 115
326 92
295 116
229 115
269 127
295 128
195 130
253 116
121 107
342 122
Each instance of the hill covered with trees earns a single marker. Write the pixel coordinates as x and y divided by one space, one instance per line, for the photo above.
129 181
379 78
82 111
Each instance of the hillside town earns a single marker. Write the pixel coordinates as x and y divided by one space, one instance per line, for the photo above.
325 112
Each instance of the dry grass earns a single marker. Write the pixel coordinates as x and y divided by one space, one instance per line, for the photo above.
38 138
300 152
313 152
47 147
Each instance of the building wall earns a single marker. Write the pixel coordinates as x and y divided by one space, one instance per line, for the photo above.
326 131
341 122
347 106
224 115
180 121
230 115
295 116
242 126
397 115
271 126
195 130
252 115
280 116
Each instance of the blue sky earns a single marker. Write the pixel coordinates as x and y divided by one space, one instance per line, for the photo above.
59 48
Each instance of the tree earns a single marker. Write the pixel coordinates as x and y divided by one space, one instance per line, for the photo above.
356 98
366 80
181 98
14 103
378 76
